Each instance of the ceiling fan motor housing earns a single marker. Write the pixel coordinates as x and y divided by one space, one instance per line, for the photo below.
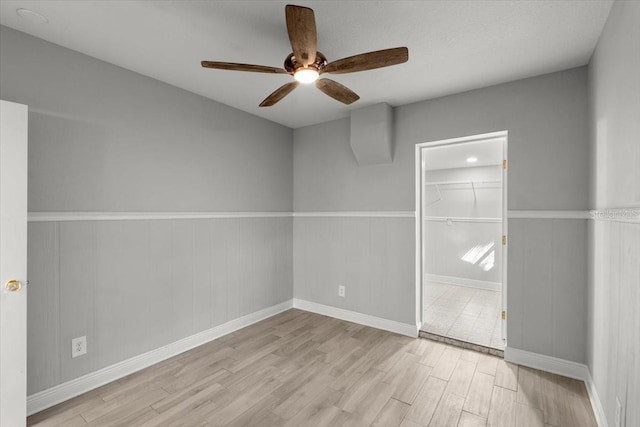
291 65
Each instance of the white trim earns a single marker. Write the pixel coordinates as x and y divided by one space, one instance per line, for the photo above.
629 215
355 317
359 214
596 403
418 229
117 216
562 367
543 362
462 281
500 135
61 392
505 232
472 138
617 215
548 214
460 219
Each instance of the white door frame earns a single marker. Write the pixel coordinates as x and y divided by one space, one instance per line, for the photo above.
13 264
504 135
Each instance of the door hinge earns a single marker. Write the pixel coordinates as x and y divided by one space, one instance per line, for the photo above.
504 315
504 239
504 164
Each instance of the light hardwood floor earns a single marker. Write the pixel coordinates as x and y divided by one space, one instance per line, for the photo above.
303 369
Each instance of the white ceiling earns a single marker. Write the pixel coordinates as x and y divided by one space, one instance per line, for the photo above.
453 45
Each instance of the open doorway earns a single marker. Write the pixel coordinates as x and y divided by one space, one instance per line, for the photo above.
461 228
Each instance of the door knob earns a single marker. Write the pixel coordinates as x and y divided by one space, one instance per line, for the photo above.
13 285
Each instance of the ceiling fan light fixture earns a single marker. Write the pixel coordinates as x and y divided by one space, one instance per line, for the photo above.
306 75
305 63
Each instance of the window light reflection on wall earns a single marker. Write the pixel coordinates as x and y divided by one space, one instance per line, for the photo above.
482 255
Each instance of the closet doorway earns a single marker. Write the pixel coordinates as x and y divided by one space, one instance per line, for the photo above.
461 229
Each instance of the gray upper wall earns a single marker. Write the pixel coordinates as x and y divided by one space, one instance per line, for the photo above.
613 320
547 120
614 90
102 138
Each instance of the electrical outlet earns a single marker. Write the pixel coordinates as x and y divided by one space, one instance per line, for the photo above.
341 291
78 346
618 420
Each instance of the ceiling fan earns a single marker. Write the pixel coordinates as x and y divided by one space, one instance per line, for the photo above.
306 64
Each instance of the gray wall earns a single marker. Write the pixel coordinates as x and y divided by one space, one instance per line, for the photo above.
102 138
547 120
613 351
106 139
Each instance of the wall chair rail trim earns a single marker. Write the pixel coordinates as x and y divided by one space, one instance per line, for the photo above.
118 216
358 214
548 214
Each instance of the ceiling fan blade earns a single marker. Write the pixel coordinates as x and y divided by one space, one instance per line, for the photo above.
243 67
279 93
301 26
337 91
368 61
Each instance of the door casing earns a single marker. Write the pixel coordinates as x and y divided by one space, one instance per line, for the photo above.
504 135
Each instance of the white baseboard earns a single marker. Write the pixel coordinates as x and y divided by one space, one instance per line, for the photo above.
562 367
596 403
50 397
543 362
355 317
460 281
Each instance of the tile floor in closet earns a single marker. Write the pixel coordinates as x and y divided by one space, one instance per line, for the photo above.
463 313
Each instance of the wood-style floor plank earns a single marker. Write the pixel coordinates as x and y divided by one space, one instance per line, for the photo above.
529 388
502 410
391 414
487 364
448 411
300 369
507 375
427 401
527 416
407 377
319 412
468 419
447 363
479 396
461 378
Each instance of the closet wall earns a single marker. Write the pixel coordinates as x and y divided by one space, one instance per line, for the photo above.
463 226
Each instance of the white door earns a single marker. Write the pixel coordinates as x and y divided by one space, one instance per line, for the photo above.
13 264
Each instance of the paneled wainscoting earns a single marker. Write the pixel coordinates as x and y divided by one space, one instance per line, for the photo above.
132 283
372 255
303 369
